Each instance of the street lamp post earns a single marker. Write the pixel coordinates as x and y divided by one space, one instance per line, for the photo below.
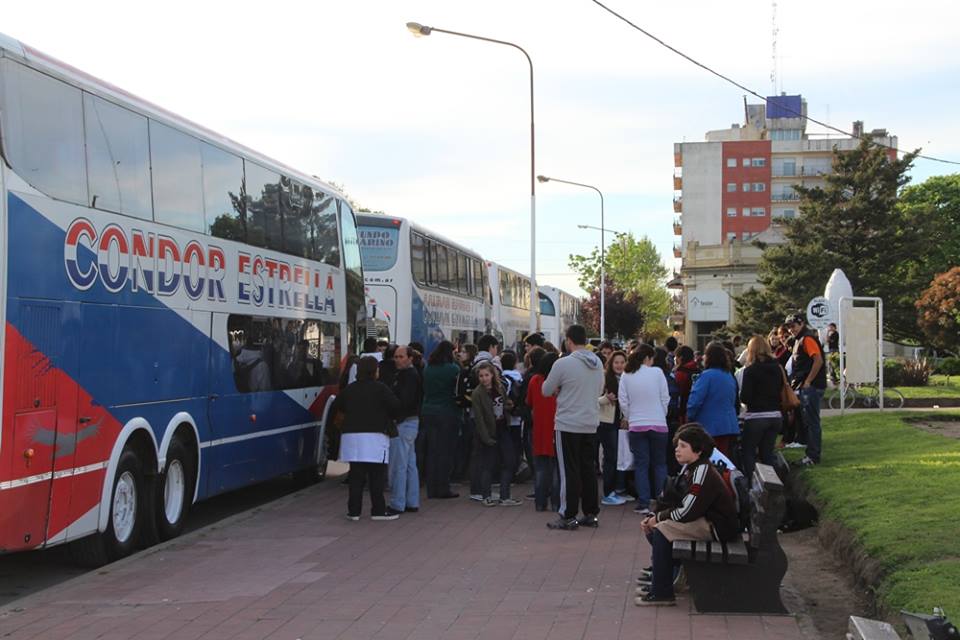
418 30
603 240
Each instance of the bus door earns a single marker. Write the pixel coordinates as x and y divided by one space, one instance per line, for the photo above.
44 426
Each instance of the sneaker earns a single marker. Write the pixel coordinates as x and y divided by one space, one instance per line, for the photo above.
394 512
794 445
642 590
489 502
807 461
564 524
353 518
645 576
389 515
448 496
642 511
412 509
531 496
588 521
613 500
651 600
510 502
476 496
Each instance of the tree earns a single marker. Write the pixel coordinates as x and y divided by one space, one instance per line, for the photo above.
936 203
624 316
852 223
939 308
633 272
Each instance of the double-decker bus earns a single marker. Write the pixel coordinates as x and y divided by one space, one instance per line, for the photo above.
420 286
510 305
558 310
175 310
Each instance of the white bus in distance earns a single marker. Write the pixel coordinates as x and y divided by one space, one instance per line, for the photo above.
558 310
420 286
510 306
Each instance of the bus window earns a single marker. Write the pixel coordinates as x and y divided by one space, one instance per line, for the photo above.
353 265
478 279
274 354
118 158
463 278
222 183
323 239
177 178
263 207
417 258
42 125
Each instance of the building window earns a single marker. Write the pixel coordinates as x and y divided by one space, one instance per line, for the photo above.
789 213
732 212
731 187
731 236
746 162
746 187
759 186
759 212
746 212
731 162
759 162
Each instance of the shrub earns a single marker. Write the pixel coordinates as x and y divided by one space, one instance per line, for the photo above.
916 373
949 367
892 373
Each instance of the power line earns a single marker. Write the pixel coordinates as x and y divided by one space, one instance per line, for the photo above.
755 94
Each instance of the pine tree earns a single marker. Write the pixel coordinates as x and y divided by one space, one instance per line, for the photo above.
851 223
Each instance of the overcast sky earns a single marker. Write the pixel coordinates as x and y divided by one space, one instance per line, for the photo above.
437 128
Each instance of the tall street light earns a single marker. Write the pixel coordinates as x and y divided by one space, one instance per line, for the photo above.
603 334
418 30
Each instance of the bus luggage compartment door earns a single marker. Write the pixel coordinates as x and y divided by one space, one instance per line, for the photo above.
35 386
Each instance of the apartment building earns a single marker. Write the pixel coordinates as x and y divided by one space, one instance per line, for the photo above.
731 189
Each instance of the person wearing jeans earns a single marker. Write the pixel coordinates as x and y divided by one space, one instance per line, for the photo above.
644 398
809 377
404 478
546 479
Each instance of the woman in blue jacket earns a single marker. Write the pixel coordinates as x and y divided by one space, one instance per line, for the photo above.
713 399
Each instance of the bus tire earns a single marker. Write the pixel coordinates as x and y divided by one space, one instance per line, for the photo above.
128 501
175 490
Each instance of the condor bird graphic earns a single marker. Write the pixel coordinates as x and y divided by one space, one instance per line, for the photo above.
66 443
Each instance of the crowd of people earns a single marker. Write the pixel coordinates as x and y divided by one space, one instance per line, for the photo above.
677 417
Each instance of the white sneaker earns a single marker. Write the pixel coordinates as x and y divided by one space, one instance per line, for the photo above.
794 445
613 500
476 496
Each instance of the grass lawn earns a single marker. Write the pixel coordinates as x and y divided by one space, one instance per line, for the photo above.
898 489
939 387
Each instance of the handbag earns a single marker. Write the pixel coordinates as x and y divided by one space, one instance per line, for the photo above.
788 399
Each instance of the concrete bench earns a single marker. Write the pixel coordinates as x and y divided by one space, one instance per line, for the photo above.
742 576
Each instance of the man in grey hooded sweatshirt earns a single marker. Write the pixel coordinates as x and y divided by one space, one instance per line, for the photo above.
577 381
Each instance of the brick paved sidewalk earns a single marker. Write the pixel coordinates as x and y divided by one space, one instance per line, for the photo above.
297 568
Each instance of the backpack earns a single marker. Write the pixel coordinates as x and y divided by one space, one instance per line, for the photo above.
738 488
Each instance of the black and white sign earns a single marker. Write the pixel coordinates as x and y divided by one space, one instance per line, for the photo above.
820 313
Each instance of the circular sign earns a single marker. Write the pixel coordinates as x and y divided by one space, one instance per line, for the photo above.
820 313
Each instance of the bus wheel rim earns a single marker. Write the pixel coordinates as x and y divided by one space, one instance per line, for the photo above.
174 487
124 506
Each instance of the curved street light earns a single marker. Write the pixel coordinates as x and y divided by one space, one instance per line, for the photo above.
603 240
419 30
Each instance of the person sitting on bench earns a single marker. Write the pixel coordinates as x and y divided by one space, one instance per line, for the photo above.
706 512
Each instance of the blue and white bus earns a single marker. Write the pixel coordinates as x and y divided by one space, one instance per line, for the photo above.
420 286
175 310
510 305
558 310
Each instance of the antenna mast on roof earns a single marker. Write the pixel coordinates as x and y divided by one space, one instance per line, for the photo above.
773 63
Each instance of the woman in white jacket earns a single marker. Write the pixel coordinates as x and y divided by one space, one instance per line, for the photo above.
644 398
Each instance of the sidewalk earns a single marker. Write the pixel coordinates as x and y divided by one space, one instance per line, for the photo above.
296 568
